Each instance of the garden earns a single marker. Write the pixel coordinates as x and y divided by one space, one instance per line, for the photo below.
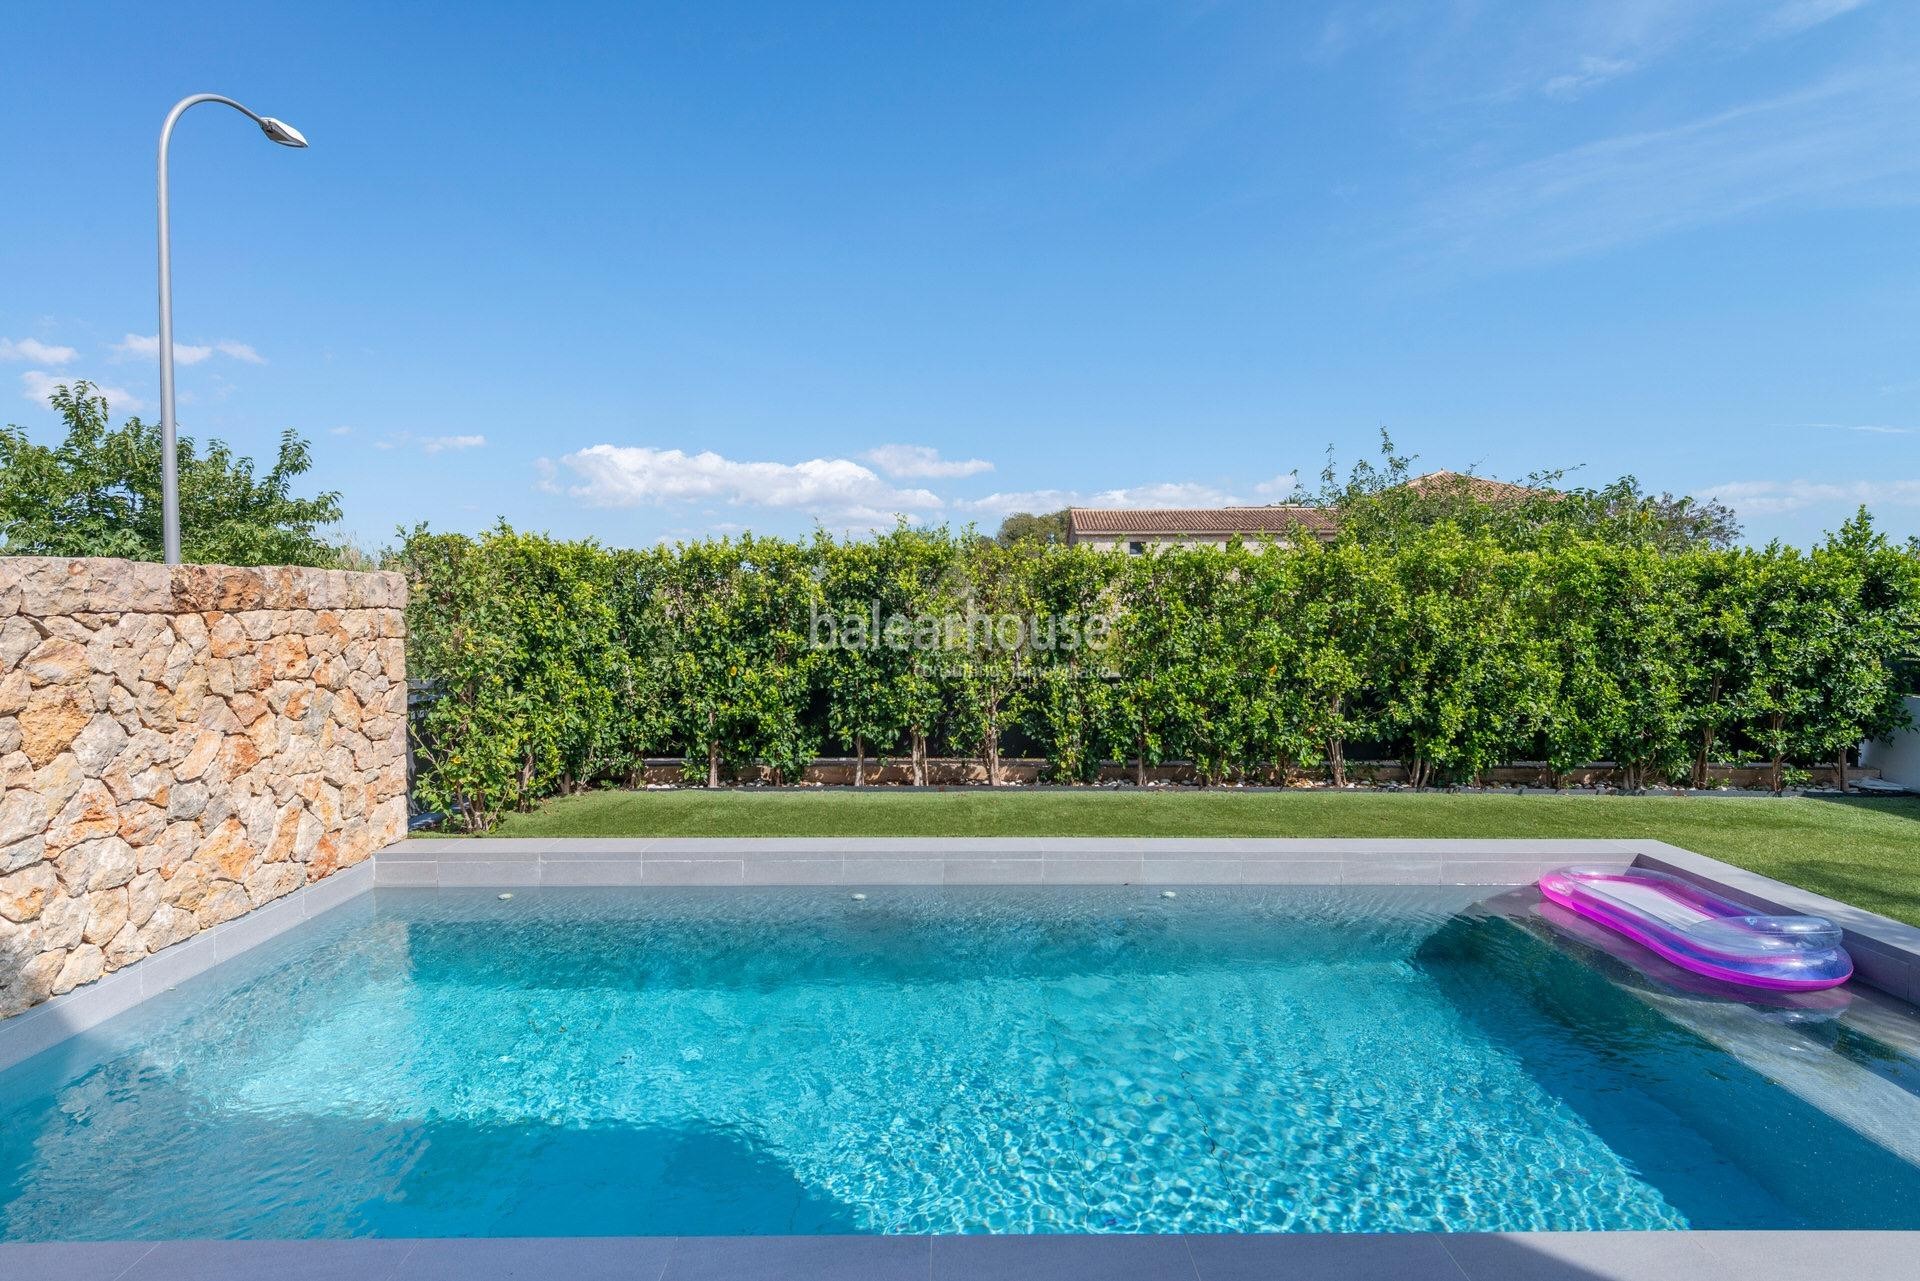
1448 646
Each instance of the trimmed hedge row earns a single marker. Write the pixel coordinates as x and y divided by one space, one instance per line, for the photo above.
555 665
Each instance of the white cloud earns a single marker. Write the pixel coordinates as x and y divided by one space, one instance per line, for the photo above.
440 444
1798 15
923 462
1768 497
630 476
1850 140
239 351
38 385
1591 74
1160 494
1871 429
339 431
147 347
33 351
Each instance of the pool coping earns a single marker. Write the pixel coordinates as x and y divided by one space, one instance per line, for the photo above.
1886 952
1465 1256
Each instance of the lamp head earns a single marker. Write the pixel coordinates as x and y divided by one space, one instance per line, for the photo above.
282 132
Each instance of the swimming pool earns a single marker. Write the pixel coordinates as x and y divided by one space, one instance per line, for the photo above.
609 1062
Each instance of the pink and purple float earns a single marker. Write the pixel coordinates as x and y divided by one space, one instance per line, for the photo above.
1700 931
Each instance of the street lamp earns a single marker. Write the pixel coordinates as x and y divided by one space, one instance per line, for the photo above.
287 136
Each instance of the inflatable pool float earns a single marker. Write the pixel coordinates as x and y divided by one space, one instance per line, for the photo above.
1700 931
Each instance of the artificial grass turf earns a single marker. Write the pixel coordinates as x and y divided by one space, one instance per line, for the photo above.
1864 851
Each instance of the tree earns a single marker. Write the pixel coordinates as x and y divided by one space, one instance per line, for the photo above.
1388 504
1463 686
737 611
1716 646
1341 605
1165 597
97 493
920 574
1615 622
462 643
861 676
1871 611
994 647
1071 702
1024 527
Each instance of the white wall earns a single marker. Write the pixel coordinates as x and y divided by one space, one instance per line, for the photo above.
1898 760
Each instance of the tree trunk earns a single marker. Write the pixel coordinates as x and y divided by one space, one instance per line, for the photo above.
1140 759
1704 756
859 761
993 755
919 759
1337 761
1841 777
1774 722
713 764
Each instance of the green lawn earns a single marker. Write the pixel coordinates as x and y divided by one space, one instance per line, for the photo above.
1863 851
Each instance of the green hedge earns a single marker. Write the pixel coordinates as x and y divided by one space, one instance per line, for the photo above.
552 665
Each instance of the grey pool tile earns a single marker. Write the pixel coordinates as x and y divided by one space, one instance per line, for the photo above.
422 851
1255 871
1589 1256
491 872
1495 871
1061 1258
867 1258
598 871
1390 869
336 889
270 1261
537 1259
174 965
993 871
1190 871
404 875
1091 871
1889 974
256 927
893 871
595 847
1845 1256
46 1025
1290 847
793 871
1284 1256
69 1260
704 871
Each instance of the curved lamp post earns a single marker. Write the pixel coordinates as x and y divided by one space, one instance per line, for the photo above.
287 136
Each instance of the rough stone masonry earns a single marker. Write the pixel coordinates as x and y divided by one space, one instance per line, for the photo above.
181 745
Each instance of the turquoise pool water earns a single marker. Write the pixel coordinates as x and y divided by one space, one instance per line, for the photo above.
446 1063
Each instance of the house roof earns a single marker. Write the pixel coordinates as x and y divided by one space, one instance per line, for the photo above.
1482 488
1275 519
1199 520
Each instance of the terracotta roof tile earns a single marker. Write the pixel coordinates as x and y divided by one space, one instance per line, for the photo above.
1209 520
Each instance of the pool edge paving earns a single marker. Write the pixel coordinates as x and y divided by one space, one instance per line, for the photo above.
1887 953
1467 1256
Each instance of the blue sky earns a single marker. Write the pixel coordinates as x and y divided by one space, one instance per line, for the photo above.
656 271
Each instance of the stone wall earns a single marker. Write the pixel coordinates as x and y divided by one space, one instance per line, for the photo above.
179 746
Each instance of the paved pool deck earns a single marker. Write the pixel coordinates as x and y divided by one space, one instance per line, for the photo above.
1535 1256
